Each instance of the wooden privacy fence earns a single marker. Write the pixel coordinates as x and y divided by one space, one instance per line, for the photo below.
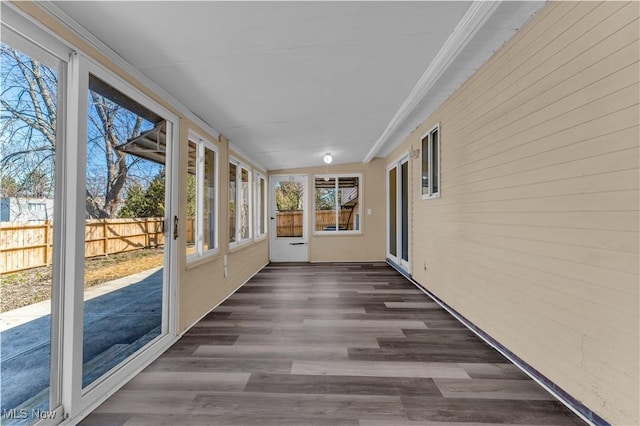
29 245
289 223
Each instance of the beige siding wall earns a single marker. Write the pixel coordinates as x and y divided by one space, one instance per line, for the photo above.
202 283
535 238
370 244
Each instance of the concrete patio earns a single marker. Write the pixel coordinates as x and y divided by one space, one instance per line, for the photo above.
120 317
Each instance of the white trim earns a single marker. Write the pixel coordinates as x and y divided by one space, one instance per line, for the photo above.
33 31
56 12
469 25
73 232
259 203
121 376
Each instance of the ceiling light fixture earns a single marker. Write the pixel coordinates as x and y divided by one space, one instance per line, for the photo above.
328 159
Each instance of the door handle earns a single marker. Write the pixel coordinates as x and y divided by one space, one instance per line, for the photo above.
273 218
297 244
175 227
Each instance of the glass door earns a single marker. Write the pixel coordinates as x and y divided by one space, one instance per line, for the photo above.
31 86
398 213
125 240
289 237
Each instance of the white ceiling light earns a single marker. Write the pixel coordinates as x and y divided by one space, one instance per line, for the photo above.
328 159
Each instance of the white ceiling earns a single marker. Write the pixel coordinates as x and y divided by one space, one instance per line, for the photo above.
287 82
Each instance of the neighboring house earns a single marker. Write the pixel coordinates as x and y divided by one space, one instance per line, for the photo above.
19 209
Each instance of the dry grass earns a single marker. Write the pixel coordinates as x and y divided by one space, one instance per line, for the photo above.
32 286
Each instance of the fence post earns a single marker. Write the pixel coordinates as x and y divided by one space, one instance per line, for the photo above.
146 232
46 243
105 246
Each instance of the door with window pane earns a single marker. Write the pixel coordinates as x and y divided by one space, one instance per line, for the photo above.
398 213
289 236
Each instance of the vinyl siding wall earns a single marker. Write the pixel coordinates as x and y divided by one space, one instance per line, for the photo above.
202 283
535 236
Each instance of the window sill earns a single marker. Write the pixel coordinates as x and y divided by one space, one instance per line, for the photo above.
430 197
195 262
337 233
234 247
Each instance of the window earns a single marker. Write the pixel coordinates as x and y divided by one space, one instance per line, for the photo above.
240 226
36 207
337 203
261 205
431 164
202 183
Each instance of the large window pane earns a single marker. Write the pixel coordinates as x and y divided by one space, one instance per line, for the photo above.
435 154
393 211
262 212
191 197
326 203
245 226
28 135
233 170
289 209
425 166
125 210
405 209
260 215
348 200
209 200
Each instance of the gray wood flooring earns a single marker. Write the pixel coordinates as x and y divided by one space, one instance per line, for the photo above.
330 344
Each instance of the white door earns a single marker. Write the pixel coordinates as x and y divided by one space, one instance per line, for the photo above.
288 218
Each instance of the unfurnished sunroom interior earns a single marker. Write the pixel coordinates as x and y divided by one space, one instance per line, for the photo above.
487 151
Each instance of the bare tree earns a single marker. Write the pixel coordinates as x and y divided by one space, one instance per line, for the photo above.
28 123
28 120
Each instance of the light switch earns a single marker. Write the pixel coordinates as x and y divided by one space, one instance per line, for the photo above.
368 212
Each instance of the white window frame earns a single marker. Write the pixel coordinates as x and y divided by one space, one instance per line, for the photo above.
260 204
240 166
427 139
201 145
337 231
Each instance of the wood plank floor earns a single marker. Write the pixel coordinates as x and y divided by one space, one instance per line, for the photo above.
330 344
